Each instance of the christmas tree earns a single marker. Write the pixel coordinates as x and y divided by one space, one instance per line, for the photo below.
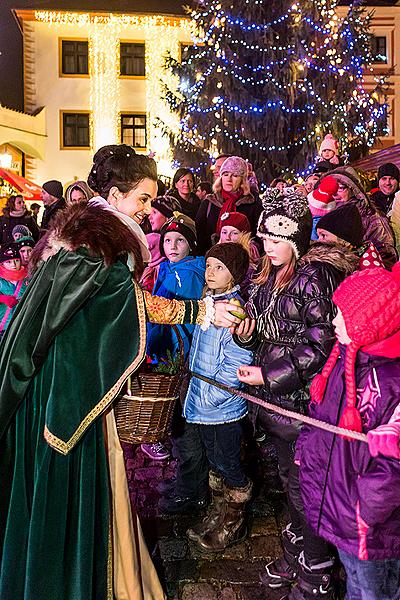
267 79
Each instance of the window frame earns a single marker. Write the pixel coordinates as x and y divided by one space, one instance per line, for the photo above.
380 62
134 42
60 58
137 113
75 112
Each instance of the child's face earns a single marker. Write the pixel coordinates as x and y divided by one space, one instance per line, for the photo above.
17 236
176 246
310 182
229 234
327 154
326 237
25 254
340 328
156 219
218 277
279 253
13 264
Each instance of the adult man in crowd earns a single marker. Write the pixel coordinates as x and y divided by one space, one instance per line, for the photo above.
388 182
52 196
203 189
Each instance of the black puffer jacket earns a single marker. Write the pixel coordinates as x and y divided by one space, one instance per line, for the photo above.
294 333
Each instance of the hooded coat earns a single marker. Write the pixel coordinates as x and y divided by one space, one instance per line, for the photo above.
351 498
376 225
294 333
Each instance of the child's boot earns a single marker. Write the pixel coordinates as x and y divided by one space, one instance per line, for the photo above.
283 571
315 581
216 484
230 527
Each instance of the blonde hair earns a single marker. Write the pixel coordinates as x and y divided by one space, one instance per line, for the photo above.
283 277
245 240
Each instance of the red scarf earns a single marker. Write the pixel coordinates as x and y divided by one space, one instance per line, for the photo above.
229 203
13 275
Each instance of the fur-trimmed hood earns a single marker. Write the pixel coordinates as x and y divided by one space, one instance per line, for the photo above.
101 232
340 258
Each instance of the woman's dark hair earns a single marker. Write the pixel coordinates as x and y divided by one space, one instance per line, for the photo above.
277 180
10 204
119 166
179 173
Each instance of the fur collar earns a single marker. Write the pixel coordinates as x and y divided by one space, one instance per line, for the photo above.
342 259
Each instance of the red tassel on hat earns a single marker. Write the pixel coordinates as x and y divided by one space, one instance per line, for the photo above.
318 385
351 419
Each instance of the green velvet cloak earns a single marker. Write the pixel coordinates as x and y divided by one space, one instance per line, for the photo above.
76 336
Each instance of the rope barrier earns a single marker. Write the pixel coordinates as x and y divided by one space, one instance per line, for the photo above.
354 435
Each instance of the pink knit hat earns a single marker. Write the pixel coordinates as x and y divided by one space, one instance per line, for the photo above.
320 200
370 303
329 143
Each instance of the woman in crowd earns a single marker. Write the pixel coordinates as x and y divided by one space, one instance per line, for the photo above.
231 194
79 191
13 282
16 213
375 224
291 332
183 186
65 521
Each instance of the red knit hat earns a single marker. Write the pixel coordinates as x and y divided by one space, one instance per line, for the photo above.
321 199
234 219
370 303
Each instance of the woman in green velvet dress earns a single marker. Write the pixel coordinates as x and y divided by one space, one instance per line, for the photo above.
66 529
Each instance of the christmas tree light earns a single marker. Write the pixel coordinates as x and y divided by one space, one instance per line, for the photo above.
267 80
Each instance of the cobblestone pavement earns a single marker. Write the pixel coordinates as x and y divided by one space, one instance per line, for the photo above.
188 574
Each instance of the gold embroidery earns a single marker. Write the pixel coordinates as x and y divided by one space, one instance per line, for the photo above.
110 570
65 447
164 311
202 312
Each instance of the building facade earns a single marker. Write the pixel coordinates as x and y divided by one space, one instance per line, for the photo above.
100 77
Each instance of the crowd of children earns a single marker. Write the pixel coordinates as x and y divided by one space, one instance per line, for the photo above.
314 267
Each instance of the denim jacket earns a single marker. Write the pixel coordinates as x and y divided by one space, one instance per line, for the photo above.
215 354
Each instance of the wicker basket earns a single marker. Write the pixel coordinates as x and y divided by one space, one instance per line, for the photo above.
144 413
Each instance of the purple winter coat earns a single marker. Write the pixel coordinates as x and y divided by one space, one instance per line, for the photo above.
352 499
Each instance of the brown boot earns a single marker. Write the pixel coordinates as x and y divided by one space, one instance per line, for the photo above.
230 527
216 483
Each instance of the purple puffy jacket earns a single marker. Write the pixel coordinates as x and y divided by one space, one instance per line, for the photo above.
352 499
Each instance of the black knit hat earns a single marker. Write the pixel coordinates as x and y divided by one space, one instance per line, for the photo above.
166 205
183 225
286 218
345 222
234 257
54 188
389 170
8 252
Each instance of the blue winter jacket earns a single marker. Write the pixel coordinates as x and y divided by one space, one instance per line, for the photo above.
215 354
183 280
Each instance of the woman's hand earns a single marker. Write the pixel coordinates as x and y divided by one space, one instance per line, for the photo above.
250 375
223 318
245 329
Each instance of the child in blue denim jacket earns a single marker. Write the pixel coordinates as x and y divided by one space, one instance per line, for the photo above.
218 414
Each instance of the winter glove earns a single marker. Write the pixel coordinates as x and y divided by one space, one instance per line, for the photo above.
385 440
10 301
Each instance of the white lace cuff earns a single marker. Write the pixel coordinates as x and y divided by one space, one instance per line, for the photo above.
210 313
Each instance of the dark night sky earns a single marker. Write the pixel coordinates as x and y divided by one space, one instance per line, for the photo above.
11 89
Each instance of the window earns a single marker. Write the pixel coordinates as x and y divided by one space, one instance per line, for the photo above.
74 57
378 49
132 59
133 130
75 130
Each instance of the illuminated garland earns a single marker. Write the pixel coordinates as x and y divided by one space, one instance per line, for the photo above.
161 34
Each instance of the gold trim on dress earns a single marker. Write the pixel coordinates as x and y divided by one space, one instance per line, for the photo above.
65 447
